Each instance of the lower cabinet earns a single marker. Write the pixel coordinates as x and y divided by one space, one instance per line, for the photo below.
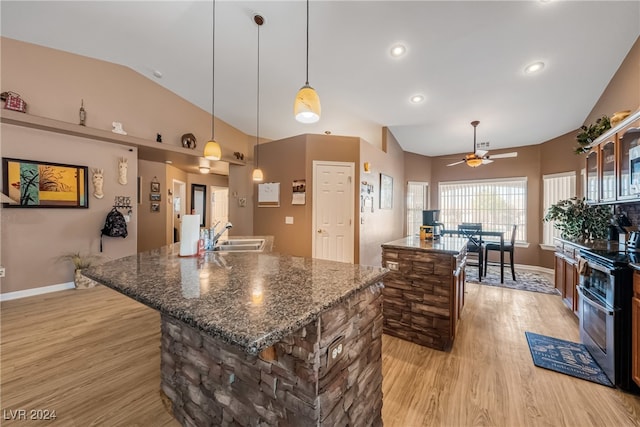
635 329
566 274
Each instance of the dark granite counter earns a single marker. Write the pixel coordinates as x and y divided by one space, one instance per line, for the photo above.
248 299
596 245
445 245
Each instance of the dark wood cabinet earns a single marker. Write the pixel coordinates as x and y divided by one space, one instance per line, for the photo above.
566 274
635 329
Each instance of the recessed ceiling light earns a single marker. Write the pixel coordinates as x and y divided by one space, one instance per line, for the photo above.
416 99
168 162
534 68
398 50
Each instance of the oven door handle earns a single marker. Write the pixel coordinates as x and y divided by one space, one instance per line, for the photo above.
593 303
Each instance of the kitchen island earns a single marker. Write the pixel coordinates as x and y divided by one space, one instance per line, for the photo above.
261 338
424 290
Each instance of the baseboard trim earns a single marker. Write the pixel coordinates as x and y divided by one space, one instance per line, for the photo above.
36 291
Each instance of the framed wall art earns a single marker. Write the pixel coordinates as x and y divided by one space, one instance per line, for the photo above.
155 187
386 191
36 184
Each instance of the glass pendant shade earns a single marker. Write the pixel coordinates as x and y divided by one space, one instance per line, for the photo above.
307 105
212 150
257 175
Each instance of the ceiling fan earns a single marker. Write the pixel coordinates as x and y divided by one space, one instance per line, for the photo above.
480 157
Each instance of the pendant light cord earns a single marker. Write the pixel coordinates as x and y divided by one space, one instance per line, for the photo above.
213 70
307 82
258 103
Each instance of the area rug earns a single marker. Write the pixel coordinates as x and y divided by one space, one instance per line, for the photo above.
565 357
525 280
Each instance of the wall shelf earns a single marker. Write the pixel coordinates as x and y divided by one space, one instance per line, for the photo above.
182 158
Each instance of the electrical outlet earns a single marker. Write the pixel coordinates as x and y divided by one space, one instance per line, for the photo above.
392 265
336 351
1 271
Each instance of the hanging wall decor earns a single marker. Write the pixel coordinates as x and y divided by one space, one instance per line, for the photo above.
97 179
386 191
122 171
38 184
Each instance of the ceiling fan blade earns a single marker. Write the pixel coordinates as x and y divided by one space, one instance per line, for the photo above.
486 161
456 163
504 155
481 153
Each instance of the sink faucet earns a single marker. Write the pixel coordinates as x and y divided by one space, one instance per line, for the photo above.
214 239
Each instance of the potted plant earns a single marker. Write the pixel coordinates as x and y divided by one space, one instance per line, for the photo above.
578 220
79 262
589 134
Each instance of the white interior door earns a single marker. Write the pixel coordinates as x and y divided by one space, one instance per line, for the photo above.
333 206
179 199
219 205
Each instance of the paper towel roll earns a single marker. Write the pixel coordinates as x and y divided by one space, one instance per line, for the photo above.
189 235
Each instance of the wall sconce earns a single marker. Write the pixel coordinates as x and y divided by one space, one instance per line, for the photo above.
367 167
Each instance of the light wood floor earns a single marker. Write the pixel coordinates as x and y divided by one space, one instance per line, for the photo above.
93 357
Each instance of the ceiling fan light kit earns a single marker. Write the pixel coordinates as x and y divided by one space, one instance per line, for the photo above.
306 106
480 157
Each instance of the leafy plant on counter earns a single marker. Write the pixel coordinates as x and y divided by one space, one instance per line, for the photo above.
578 220
591 133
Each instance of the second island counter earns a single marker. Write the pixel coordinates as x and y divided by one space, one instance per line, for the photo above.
424 290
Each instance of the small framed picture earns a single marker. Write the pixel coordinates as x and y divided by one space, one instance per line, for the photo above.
155 207
155 187
154 197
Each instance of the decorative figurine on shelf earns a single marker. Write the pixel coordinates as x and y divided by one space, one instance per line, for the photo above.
117 128
158 137
83 113
122 171
97 178
189 141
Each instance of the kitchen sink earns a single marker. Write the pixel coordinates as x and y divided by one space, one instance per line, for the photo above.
240 245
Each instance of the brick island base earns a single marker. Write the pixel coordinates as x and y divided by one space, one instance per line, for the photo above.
209 382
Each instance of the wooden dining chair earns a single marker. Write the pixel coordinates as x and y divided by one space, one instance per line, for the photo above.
506 248
471 230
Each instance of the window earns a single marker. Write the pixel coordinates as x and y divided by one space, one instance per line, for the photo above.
496 203
416 203
556 187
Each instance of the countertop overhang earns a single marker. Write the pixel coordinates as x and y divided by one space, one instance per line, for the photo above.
447 245
248 299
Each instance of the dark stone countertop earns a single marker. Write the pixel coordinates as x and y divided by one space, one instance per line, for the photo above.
446 245
247 299
595 245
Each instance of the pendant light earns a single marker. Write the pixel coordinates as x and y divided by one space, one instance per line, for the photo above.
307 104
257 175
212 149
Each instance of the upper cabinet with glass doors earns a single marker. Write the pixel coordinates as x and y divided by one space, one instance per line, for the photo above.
628 138
608 168
613 164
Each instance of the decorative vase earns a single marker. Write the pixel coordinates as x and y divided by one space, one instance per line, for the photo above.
81 281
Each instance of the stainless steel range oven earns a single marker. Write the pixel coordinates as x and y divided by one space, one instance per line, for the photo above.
604 310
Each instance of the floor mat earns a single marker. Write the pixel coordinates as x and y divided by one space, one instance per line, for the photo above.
565 357
525 280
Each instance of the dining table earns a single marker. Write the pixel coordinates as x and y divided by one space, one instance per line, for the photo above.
483 233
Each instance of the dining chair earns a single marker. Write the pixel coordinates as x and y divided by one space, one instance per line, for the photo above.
506 248
471 230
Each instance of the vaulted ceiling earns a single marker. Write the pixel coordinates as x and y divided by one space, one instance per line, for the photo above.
466 58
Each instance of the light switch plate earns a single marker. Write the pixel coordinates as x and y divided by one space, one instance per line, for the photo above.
288 220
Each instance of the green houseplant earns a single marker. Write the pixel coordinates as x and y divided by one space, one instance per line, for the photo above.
79 262
589 134
579 220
